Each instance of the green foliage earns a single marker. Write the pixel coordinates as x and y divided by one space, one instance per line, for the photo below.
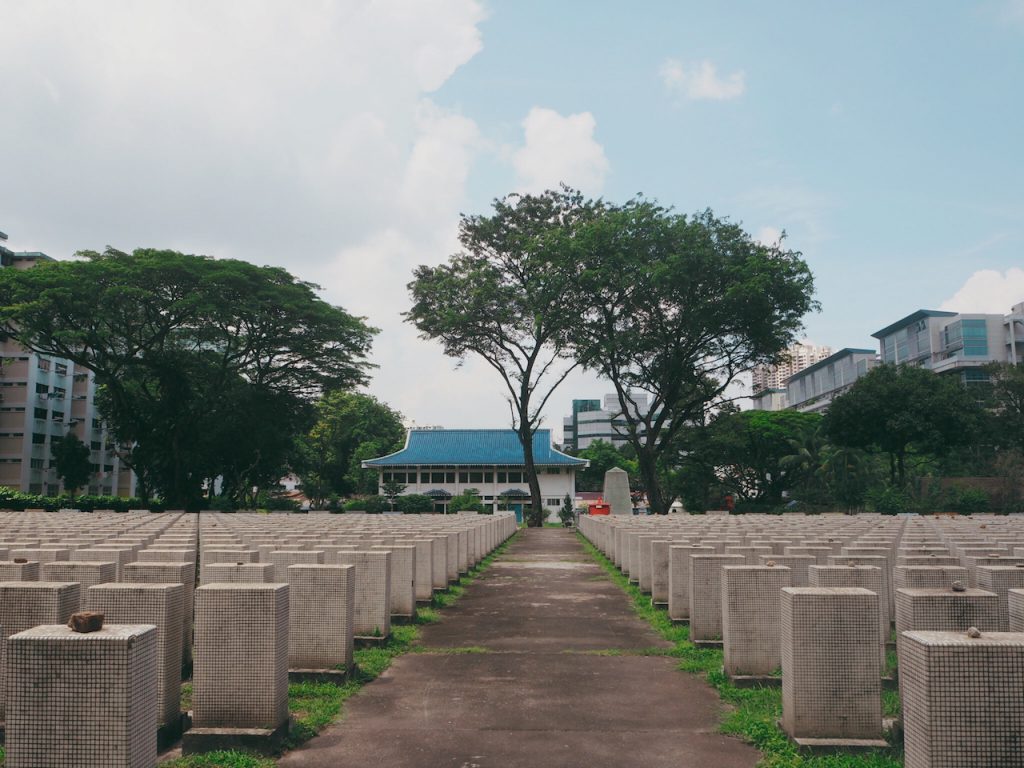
762 454
275 503
966 501
889 500
72 462
350 427
12 499
503 298
677 306
391 490
415 504
604 456
566 513
204 366
1007 404
370 504
220 759
468 500
902 411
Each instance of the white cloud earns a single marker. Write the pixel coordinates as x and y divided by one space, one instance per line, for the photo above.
700 81
560 149
768 236
988 291
308 139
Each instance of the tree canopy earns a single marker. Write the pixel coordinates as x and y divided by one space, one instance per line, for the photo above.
603 456
200 362
505 298
350 427
71 460
904 410
677 307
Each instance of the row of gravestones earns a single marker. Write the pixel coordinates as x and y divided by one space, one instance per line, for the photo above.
102 698
817 598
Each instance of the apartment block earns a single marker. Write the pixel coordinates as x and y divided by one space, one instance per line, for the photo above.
43 399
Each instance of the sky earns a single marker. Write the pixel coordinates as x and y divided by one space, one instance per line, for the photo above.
342 140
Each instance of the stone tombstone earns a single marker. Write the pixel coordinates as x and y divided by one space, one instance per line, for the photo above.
159 605
750 618
962 699
240 673
831 689
170 573
27 604
321 608
616 491
106 686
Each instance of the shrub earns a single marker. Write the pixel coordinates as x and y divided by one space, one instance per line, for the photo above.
373 505
890 501
966 501
414 504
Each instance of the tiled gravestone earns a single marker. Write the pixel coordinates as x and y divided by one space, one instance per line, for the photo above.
831 689
240 671
84 700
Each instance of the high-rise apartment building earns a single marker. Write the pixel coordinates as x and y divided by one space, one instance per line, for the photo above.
43 399
798 357
768 382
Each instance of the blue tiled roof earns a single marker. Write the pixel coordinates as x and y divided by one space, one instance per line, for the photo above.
424 447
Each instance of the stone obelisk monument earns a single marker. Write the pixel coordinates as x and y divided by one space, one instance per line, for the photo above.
616 491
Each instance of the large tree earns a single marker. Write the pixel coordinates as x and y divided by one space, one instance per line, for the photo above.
760 455
1007 401
189 353
505 298
677 307
904 411
349 428
71 461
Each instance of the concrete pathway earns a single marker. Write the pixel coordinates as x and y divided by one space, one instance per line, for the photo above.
534 684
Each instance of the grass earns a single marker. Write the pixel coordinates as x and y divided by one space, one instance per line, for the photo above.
752 712
220 760
314 706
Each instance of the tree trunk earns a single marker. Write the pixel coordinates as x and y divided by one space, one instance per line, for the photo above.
536 517
648 465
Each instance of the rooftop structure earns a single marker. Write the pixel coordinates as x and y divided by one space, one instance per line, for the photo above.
812 389
951 342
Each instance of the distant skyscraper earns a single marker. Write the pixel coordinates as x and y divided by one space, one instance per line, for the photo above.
798 357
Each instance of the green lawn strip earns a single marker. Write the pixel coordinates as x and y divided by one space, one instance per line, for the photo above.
220 760
753 712
314 706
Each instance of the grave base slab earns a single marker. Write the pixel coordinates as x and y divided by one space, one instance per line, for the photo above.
262 741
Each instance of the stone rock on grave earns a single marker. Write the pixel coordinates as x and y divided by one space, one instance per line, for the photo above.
86 621
616 491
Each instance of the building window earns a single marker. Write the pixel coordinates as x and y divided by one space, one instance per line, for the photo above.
515 477
39 413
553 503
41 389
476 477
38 439
488 477
503 477
975 335
424 477
61 369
